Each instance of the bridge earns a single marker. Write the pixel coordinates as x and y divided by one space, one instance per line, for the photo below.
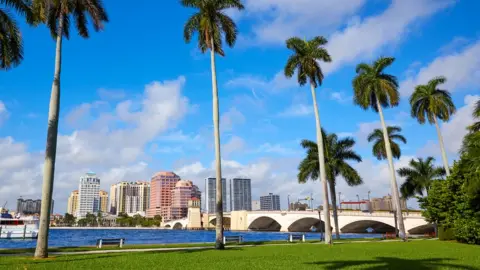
303 221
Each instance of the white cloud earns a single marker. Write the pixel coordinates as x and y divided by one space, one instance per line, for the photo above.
275 21
340 97
374 33
274 85
297 110
230 119
111 94
3 113
462 70
235 144
278 149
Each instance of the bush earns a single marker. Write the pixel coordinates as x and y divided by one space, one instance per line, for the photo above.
445 234
467 230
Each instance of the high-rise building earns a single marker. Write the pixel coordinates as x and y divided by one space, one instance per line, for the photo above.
103 201
30 207
270 202
161 187
210 192
181 195
112 208
73 203
255 205
130 197
386 204
88 195
240 194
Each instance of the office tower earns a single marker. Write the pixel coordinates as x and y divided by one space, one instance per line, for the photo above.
255 205
112 208
30 207
270 202
131 197
210 192
161 187
88 195
73 203
103 201
181 194
240 194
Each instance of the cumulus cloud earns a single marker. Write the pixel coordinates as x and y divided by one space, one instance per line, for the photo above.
462 70
233 145
3 113
272 85
115 151
230 119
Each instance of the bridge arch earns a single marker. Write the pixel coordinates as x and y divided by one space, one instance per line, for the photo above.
265 224
363 226
168 226
177 226
306 224
226 221
422 229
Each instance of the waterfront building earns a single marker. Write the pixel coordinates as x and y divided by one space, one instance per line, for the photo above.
103 201
88 195
386 204
270 202
112 208
130 197
210 194
161 187
72 204
30 207
240 194
181 195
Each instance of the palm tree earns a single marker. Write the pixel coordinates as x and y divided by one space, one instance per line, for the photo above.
11 53
337 153
378 149
56 15
375 89
476 114
305 61
429 102
419 176
211 23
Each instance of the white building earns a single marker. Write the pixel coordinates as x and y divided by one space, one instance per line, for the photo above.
129 197
88 195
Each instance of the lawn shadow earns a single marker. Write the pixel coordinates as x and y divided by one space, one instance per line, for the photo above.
395 263
188 251
59 259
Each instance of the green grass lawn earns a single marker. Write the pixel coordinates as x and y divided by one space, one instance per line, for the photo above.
394 255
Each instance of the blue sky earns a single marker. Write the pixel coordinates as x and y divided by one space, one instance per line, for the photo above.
136 99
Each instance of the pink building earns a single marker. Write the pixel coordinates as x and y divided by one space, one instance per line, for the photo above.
161 188
181 194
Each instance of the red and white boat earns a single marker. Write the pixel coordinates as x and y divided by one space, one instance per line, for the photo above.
18 228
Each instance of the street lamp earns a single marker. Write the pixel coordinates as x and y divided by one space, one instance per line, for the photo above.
358 199
339 200
369 195
288 201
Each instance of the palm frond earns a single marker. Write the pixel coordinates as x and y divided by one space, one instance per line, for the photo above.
11 47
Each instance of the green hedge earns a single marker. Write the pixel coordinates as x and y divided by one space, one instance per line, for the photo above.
445 234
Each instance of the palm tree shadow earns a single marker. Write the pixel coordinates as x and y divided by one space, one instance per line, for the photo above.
381 263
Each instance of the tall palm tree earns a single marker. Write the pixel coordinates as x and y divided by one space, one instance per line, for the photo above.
476 114
56 15
305 61
11 47
378 149
337 154
419 176
429 102
211 23
375 89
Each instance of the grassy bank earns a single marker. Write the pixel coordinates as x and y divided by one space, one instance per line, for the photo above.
392 255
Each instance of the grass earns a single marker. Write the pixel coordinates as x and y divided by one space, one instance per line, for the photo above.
392 255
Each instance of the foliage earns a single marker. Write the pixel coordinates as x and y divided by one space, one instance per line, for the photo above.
455 203
379 150
419 176
337 153
476 114
211 23
124 220
372 84
68 220
51 12
305 60
11 46
429 102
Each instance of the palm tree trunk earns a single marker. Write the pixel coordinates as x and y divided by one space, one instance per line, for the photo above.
442 147
334 205
393 178
41 250
321 159
218 164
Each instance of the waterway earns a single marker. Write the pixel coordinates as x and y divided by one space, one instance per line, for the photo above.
88 237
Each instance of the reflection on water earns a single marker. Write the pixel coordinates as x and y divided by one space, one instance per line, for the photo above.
88 237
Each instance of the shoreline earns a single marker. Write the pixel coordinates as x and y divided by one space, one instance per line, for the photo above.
107 228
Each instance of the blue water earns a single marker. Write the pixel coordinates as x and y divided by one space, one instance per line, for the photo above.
88 237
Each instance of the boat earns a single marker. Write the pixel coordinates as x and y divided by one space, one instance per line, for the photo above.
18 228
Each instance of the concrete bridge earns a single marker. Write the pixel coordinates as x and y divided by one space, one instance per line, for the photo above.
303 221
